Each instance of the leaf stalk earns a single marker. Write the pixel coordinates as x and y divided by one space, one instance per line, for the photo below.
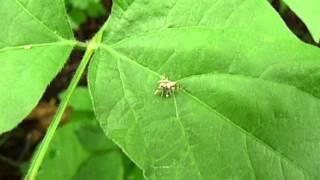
43 147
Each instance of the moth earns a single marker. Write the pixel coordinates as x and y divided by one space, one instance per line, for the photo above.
166 87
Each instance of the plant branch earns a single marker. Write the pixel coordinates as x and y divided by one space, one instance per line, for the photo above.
43 147
81 45
9 161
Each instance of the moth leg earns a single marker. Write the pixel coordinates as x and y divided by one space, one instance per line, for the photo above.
168 93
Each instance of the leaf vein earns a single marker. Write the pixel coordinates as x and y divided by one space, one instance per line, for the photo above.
131 108
185 137
249 158
259 141
62 43
38 20
257 78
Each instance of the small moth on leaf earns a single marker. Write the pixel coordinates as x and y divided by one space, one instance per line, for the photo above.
166 87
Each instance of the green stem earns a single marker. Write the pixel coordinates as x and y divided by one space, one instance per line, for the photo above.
43 147
80 45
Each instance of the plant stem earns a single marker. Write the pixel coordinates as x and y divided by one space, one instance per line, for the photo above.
80 45
43 147
9 161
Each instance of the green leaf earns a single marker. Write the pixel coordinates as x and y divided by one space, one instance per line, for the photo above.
34 45
79 11
135 174
79 162
96 9
81 4
106 166
93 139
308 11
67 150
248 103
83 149
77 17
80 100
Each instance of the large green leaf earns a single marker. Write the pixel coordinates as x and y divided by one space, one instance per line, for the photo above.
35 42
308 11
248 107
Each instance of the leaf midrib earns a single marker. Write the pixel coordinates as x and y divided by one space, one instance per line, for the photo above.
117 44
177 117
201 102
57 43
247 77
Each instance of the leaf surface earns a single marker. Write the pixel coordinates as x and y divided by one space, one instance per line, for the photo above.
248 107
35 42
80 100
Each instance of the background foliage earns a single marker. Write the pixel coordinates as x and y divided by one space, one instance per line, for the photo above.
85 151
80 10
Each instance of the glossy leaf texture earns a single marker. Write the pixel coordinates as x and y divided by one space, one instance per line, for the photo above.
35 42
248 104
308 11
81 151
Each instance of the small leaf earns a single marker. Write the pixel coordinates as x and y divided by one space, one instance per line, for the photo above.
96 9
34 45
248 107
81 4
77 16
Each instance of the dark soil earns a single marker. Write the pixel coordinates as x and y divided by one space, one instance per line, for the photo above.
17 146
